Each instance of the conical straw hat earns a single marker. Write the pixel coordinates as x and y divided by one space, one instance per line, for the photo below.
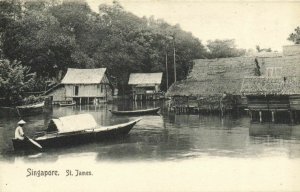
21 122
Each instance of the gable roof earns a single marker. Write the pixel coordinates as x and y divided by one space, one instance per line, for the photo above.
145 78
214 77
83 76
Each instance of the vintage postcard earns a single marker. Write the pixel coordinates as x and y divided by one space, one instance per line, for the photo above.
149 95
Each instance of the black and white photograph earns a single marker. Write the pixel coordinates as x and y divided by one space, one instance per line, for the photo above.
149 95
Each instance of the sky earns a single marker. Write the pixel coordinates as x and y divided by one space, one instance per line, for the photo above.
250 23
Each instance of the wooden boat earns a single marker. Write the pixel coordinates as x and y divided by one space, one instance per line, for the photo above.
67 104
137 112
32 109
73 130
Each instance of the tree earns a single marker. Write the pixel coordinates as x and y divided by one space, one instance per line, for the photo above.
223 48
10 11
51 36
136 44
14 80
295 37
38 41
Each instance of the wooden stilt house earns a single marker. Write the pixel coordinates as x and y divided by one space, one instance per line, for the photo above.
145 86
84 86
212 85
275 95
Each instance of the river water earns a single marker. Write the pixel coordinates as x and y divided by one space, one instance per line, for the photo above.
161 137
165 152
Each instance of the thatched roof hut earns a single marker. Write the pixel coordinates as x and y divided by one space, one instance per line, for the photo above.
290 65
145 85
242 81
236 76
210 77
285 83
83 86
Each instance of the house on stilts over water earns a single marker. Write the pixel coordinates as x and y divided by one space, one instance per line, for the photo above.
145 86
83 86
212 85
275 95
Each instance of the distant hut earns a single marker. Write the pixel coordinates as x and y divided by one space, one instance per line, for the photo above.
145 86
277 91
83 86
212 85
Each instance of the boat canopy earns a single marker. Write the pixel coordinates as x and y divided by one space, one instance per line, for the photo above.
72 123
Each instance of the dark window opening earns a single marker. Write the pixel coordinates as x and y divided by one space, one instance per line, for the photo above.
76 90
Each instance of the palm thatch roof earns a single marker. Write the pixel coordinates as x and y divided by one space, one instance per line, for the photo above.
214 77
84 76
224 68
145 78
205 87
288 82
291 49
271 86
290 64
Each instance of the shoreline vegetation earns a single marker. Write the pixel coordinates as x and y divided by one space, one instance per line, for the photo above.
40 40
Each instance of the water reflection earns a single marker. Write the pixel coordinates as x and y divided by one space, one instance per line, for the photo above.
276 138
160 137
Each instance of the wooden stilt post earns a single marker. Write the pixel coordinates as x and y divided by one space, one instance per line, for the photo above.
105 93
80 101
273 116
251 117
260 116
291 117
188 105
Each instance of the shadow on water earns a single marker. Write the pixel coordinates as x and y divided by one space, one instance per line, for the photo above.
276 130
276 138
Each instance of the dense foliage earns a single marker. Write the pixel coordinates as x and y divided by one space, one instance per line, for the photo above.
51 36
295 37
14 80
224 48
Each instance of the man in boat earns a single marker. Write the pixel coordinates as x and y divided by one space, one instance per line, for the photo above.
19 133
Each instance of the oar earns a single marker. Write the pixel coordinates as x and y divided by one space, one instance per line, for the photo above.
34 142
